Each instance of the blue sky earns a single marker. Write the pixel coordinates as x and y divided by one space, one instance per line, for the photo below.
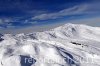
23 15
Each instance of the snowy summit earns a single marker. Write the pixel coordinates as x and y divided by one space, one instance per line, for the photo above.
67 45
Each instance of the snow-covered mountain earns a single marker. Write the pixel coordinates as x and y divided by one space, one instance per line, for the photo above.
67 45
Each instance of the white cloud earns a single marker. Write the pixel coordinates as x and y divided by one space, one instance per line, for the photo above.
93 21
87 8
69 11
1 21
31 22
5 20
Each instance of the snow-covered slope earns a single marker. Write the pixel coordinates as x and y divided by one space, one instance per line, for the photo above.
67 45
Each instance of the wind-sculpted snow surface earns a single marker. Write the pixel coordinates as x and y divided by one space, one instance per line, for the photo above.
67 45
